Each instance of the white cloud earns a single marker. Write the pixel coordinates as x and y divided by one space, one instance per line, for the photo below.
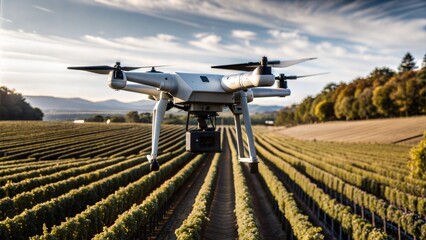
6 20
374 27
165 37
42 9
29 58
243 34
207 41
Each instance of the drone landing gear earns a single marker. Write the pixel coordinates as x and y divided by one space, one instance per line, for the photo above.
254 167
242 108
154 166
157 117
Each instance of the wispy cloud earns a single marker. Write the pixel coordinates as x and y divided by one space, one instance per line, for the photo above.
42 9
46 57
350 39
356 22
6 20
243 34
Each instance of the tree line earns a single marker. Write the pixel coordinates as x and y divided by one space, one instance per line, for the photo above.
170 118
14 107
384 93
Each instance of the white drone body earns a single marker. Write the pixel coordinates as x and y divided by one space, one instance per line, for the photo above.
203 95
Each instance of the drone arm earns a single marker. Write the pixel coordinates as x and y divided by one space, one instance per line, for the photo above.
162 81
242 81
138 88
157 118
270 92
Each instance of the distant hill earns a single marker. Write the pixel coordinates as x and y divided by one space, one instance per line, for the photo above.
55 104
56 108
407 130
263 109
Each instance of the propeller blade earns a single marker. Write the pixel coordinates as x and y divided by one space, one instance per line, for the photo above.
250 66
310 75
130 68
288 63
294 77
154 66
94 69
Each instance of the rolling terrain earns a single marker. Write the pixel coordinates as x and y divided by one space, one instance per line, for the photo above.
393 130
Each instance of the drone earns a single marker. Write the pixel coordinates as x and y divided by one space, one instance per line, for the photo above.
203 96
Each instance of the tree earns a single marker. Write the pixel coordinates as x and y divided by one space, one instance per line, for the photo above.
14 107
324 111
366 109
97 118
407 63
424 61
379 76
382 100
132 117
117 119
145 117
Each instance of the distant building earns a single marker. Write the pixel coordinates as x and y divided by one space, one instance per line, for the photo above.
78 121
269 123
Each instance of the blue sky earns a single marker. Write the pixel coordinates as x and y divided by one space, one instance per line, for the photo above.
40 38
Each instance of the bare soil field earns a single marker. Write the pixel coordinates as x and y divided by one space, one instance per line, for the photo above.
407 131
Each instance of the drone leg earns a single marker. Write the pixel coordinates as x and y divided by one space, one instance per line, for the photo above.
246 116
157 118
239 136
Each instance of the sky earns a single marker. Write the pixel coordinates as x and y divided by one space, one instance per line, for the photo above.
39 39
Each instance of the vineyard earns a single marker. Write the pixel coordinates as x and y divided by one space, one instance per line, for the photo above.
92 181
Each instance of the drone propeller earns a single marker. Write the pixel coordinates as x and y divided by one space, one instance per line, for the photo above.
106 69
250 66
103 69
282 78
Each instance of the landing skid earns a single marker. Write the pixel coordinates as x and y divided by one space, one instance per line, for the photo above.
242 108
254 167
154 166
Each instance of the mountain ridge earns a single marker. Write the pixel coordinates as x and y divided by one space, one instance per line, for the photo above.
55 105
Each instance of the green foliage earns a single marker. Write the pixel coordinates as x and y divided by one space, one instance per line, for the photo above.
145 117
97 118
116 119
324 111
132 117
365 190
302 227
14 107
383 93
127 225
417 164
92 220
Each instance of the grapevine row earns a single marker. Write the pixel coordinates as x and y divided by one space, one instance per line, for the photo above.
247 226
92 220
191 228
302 228
416 204
351 223
22 226
128 224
